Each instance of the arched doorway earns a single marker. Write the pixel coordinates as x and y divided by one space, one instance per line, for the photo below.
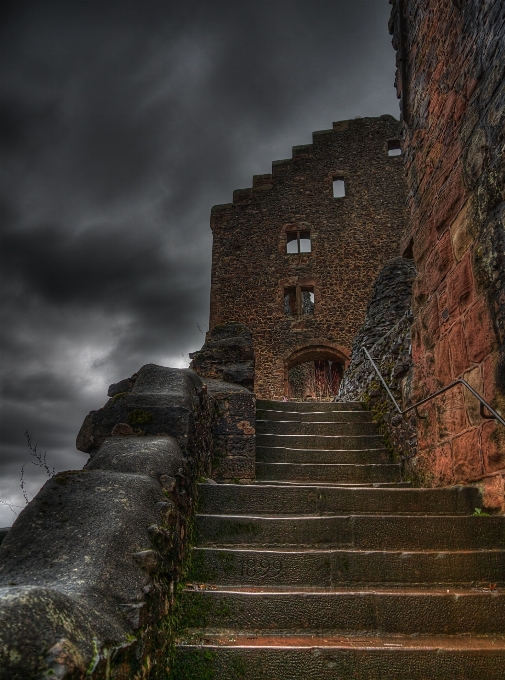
314 372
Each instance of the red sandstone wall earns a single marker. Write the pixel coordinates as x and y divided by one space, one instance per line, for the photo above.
352 238
452 93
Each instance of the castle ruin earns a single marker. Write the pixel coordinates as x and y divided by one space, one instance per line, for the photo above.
295 256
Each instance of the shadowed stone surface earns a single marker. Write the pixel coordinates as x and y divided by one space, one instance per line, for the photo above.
410 579
162 401
227 354
89 568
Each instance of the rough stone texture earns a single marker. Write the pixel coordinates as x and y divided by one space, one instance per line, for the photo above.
226 355
233 433
226 364
386 335
351 238
161 401
450 79
89 570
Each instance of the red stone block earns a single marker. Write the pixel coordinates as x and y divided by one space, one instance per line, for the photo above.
439 262
489 377
460 285
493 493
466 456
448 200
442 465
442 362
426 426
451 413
430 323
479 331
423 379
457 346
493 446
417 343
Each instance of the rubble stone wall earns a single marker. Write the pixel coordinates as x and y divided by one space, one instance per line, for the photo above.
89 572
450 80
351 238
386 336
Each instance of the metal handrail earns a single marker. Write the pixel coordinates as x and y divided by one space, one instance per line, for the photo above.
483 402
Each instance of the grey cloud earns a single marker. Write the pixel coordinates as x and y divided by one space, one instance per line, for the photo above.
121 124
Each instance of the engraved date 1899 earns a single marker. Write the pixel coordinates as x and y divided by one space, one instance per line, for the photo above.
253 567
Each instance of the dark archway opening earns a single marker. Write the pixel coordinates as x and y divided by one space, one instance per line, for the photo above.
314 373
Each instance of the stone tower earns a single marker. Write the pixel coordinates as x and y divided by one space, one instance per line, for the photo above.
295 256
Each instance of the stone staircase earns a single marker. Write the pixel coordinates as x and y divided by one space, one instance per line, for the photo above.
329 567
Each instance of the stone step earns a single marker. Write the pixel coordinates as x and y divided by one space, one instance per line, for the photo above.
335 429
284 454
333 568
308 406
354 485
443 611
340 472
361 532
248 657
311 416
307 441
237 499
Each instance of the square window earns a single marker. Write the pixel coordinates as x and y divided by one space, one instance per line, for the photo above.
298 242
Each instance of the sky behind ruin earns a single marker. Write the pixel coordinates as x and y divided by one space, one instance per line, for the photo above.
121 124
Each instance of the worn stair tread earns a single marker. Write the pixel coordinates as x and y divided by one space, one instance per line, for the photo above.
322 498
370 531
264 404
432 642
308 416
358 485
402 591
447 610
330 567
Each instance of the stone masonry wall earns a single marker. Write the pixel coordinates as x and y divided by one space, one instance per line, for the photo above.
351 238
386 336
450 79
226 364
89 572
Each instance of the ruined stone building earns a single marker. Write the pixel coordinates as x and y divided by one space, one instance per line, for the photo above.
295 256
312 559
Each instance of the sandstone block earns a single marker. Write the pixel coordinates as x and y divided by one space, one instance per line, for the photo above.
466 456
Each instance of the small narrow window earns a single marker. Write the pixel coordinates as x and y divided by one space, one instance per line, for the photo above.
307 301
292 242
338 187
298 242
299 301
290 301
394 148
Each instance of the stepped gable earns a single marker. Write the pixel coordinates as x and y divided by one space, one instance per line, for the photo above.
331 566
294 259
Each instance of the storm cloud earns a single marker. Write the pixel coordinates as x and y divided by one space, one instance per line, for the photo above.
122 123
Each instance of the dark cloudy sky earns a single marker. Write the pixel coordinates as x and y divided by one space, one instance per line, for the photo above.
122 123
